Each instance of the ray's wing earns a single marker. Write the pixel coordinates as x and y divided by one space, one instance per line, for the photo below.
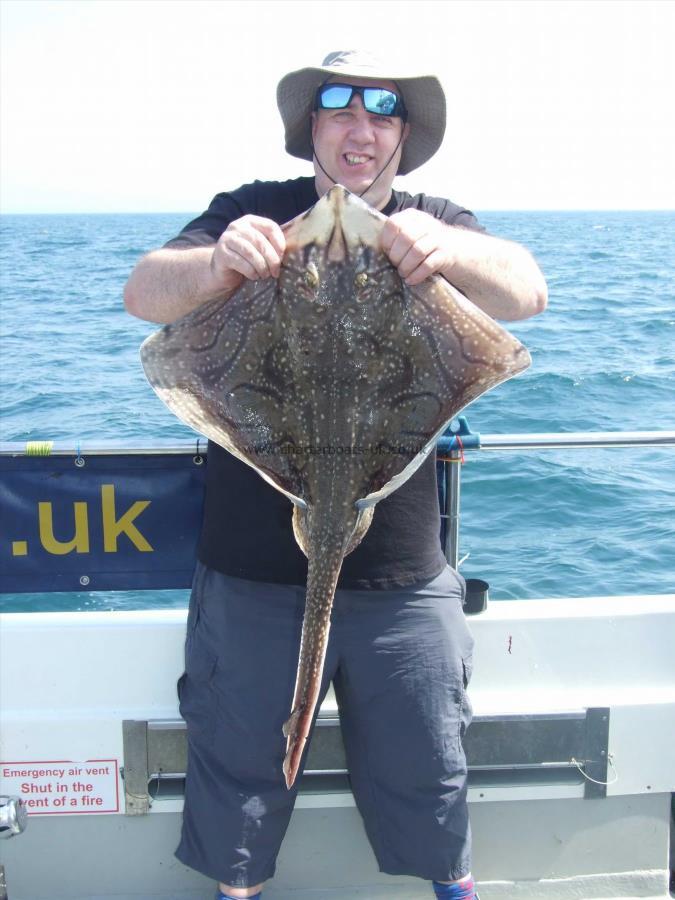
221 369
469 352
444 354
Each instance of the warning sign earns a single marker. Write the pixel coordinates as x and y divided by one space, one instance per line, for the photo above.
57 787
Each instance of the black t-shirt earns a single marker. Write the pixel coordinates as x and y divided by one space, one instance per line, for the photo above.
247 530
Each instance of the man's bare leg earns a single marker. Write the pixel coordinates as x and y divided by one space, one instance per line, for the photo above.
240 892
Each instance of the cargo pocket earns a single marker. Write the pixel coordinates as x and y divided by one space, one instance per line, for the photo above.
193 609
453 584
179 686
195 687
462 584
465 710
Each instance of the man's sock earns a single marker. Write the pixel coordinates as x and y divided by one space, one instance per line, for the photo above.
458 890
221 896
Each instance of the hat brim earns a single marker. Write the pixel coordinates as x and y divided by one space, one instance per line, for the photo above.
424 100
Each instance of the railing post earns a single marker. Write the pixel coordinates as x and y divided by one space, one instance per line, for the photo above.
451 474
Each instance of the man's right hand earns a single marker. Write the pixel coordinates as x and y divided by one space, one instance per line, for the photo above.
251 247
169 283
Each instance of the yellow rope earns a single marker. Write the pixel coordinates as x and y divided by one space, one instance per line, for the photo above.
39 448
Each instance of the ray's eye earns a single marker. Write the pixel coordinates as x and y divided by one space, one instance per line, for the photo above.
361 279
311 276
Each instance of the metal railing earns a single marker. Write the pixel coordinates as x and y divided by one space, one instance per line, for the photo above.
460 438
451 446
448 442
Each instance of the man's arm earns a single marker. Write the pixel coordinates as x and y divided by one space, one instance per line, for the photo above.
498 276
169 283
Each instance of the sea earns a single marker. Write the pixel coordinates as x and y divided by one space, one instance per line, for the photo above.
534 524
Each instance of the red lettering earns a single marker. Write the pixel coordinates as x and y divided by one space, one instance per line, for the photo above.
80 787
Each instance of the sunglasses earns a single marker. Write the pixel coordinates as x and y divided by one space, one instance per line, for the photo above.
377 100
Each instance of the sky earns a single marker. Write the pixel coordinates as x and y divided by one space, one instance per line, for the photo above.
156 105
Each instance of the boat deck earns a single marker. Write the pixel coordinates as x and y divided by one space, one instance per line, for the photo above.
539 832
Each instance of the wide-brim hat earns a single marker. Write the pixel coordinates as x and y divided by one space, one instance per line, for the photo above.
423 96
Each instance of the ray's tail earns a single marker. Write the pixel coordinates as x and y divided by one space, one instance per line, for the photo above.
325 555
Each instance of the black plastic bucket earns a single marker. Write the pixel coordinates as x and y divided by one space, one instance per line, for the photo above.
477 595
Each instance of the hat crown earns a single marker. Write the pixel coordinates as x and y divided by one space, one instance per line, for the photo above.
352 59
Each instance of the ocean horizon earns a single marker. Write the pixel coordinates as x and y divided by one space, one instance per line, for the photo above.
478 212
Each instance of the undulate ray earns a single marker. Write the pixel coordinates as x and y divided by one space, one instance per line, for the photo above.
334 382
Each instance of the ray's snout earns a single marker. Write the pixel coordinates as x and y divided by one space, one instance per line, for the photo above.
338 222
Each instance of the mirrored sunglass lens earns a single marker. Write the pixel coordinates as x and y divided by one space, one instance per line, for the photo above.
377 100
335 96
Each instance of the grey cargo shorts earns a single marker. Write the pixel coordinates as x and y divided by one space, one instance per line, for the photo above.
400 661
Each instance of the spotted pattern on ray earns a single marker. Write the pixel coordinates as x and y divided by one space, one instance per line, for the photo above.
333 382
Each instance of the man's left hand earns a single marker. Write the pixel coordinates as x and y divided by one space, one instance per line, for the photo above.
418 245
498 276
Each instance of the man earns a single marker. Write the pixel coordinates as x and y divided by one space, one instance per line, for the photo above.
400 651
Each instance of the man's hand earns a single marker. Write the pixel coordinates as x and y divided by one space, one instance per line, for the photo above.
498 276
251 247
417 244
169 283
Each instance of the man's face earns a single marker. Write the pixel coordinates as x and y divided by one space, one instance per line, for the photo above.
354 145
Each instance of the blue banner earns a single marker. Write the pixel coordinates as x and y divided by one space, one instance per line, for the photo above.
99 521
108 520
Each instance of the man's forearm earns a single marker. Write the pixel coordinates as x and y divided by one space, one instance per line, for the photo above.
167 284
498 276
